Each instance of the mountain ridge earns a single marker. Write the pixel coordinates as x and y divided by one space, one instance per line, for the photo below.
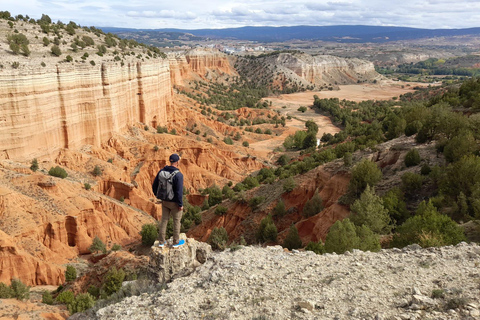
343 33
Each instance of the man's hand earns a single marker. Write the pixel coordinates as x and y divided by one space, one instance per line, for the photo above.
180 208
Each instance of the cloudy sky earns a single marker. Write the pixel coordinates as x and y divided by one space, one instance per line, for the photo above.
194 14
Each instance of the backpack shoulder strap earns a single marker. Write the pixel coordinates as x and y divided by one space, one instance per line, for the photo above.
173 174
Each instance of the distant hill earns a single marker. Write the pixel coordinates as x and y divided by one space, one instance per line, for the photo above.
343 33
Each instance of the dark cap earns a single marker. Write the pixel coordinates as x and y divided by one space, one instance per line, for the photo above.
174 158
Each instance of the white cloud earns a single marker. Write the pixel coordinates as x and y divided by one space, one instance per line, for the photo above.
194 14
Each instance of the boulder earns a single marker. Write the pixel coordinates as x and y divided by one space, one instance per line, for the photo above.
168 263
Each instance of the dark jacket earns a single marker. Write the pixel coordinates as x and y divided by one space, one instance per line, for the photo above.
177 185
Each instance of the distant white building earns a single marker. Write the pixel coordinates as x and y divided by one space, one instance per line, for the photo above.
229 50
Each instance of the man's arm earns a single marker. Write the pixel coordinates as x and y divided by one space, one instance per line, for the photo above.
155 185
178 189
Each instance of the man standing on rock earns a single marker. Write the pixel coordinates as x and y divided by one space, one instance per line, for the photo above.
168 187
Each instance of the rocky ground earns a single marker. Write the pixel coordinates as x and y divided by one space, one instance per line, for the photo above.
270 283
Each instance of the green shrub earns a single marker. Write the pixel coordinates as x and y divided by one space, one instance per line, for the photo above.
413 127
116 247
6 292
425 171
255 202
394 202
316 247
292 240
368 240
411 182
218 238
302 109
288 184
227 192
58 172
267 231
283 160
245 144
363 174
19 289
92 62
310 141
97 245
215 195
344 236
347 159
94 291
280 209
149 234
87 186
70 274
313 205
113 281
65 297
428 228
341 237
97 171
369 211
69 58
82 302
56 51
220 210
412 158
228 140
250 183
460 146
34 165
162 129
47 297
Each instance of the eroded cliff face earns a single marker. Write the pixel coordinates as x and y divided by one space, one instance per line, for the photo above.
47 221
45 110
294 71
198 64
325 69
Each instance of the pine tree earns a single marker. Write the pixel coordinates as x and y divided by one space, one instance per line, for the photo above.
369 211
292 241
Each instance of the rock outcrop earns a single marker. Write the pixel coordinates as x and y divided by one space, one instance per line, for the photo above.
269 283
45 110
167 263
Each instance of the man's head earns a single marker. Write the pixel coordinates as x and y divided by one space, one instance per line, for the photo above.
174 158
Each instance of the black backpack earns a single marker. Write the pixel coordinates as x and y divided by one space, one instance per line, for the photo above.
165 185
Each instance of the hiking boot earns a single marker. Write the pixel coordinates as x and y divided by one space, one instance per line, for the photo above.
162 244
181 242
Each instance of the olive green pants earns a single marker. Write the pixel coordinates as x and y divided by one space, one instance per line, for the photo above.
170 209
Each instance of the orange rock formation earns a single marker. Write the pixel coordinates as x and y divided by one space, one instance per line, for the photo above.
81 117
